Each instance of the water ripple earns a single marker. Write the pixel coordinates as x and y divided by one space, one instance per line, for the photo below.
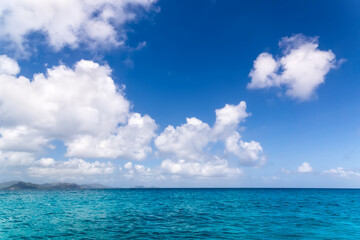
180 214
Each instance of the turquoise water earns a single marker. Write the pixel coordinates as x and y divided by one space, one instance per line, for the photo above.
181 213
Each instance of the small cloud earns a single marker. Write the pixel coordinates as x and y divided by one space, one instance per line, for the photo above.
128 63
216 168
140 46
286 171
341 172
305 168
141 173
300 70
270 179
74 168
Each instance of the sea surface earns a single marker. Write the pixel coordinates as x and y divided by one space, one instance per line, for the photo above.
181 214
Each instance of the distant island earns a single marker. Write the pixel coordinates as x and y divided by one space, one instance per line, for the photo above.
20 185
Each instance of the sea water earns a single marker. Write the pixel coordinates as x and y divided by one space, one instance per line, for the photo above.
181 214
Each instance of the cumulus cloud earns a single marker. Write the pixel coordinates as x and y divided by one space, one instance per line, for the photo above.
341 172
80 106
14 159
80 100
22 138
170 170
72 169
129 141
247 152
215 168
69 23
189 140
228 119
84 109
300 70
141 173
263 75
305 167
8 65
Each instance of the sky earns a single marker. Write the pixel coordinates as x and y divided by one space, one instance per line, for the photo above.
180 93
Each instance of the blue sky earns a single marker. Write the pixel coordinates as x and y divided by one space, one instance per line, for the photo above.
178 60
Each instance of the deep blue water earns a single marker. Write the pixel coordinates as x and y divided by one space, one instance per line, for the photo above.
181 213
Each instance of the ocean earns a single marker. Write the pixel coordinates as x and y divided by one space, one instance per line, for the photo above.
181 214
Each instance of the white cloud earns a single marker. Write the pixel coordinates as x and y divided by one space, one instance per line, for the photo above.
300 70
46 162
263 75
128 165
141 173
8 66
81 107
249 153
189 140
72 169
80 100
228 119
21 138
180 169
215 168
170 170
305 168
341 172
286 171
130 141
69 23
269 179
14 159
